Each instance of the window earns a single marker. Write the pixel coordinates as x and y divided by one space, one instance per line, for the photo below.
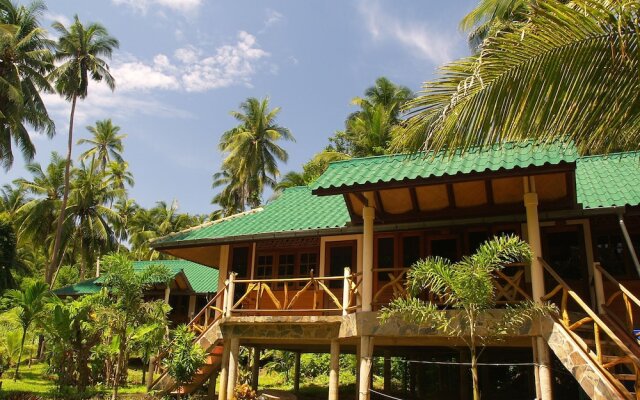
340 256
610 252
475 239
264 267
445 248
308 263
410 250
386 256
286 266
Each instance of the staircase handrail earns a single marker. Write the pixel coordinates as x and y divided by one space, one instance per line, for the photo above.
619 285
567 291
629 299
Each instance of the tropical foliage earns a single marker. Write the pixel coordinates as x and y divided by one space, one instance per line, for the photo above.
466 286
185 357
568 72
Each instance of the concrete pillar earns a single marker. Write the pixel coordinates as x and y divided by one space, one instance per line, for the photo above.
296 372
366 358
368 214
224 370
334 370
167 293
192 306
211 390
387 371
234 352
255 368
537 283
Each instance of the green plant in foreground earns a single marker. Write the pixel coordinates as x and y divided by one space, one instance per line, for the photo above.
467 286
185 357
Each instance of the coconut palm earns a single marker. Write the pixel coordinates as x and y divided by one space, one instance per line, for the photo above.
36 218
119 176
290 179
493 16
25 61
11 199
234 196
80 49
387 94
30 305
569 73
252 151
466 286
106 144
90 214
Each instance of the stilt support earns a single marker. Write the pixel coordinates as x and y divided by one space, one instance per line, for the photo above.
366 358
334 371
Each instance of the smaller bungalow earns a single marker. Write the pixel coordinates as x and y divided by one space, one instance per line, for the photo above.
191 287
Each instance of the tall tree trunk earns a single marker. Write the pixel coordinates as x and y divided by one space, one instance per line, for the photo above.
24 336
474 367
65 197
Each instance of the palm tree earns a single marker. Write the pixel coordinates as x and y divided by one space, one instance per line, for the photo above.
36 218
80 50
291 179
493 16
25 60
119 176
467 286
11 199
234 196
252 152
570 73
90 215
30 305
387 94
106 144
126 209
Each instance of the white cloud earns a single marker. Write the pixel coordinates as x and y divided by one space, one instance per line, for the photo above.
193 70
413 35
183 6
56 17
273 17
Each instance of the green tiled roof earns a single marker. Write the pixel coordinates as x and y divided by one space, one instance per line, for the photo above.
297 209
382 169
606 181
81 288
202 279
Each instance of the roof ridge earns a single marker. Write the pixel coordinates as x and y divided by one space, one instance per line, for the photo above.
611 155
208 223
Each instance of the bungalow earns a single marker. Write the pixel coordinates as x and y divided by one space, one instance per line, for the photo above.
192 286
309 271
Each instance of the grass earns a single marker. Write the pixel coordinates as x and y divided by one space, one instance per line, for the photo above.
35 380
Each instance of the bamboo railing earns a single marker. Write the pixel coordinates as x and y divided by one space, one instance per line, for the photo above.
591 333
509 284
621 296
309 295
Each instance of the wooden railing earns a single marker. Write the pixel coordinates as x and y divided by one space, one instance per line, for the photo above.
509 284
621 298
605 349
337 295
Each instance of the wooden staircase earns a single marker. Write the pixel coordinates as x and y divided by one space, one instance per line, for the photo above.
206 325
600 351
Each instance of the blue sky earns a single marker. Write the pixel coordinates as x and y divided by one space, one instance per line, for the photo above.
184 64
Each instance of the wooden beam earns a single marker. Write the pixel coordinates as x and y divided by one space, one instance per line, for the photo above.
451 196
461 177
362 198
379 207
414 199
347 201
488 188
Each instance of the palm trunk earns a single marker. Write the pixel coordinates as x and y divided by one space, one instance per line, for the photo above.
65 197
24 336
116 377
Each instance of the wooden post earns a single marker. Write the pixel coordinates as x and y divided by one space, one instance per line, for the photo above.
255 368
192 306
368 214
211 390
366 358
334 371
222 276
387 372
599 286
167 293
346 291
230 294
296 373
233 366
537 282
224 370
